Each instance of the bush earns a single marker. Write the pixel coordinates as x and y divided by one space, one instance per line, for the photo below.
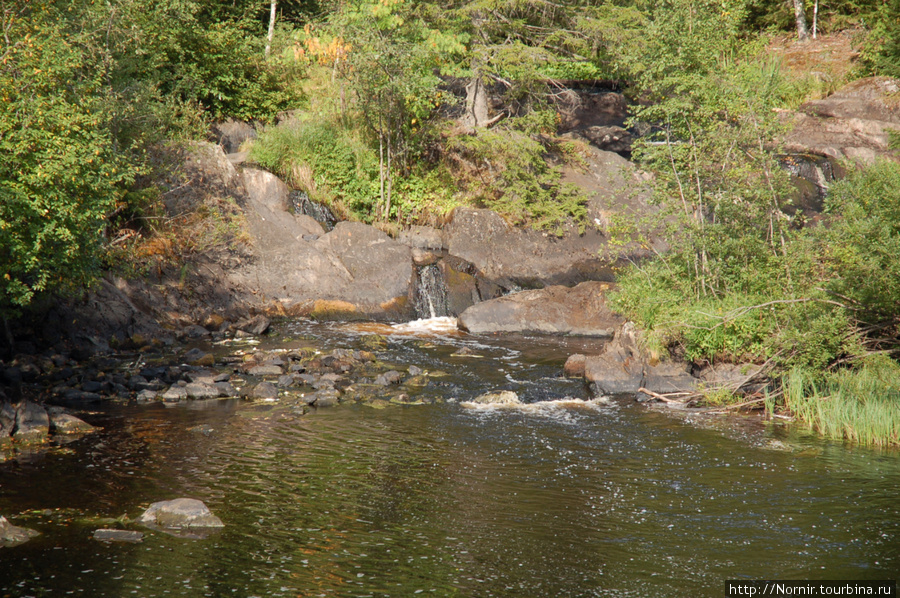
514 178
60 171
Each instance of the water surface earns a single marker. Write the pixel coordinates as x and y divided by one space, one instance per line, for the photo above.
565 497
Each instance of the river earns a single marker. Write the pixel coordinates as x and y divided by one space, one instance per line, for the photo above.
565 496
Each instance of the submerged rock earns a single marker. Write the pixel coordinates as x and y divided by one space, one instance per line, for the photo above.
118 535
65 423
180 513
11 535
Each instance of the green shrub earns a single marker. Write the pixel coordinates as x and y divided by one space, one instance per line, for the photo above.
60 171
515 179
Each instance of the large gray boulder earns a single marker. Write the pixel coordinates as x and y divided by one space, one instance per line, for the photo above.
512 257
624 367
581 310
853 123
620 367
353 270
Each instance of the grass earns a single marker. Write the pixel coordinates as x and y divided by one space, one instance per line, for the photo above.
861 406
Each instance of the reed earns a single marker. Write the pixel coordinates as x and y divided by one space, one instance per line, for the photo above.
861 406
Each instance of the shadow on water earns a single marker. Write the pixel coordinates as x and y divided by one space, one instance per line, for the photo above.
554 498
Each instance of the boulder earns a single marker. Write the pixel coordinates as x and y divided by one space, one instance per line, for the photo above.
231 133
353 270
264 390
257 325
668 376
581 310
7 419
32 422
575 365
619 368
853 123
179 514
513 257
11 535
66 423
201 390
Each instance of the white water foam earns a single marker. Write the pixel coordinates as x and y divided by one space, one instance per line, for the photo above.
441 326
560 409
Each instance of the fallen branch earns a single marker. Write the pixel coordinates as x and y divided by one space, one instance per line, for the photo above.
738 406
664 398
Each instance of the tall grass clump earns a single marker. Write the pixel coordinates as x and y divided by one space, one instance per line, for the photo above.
861 406
325 161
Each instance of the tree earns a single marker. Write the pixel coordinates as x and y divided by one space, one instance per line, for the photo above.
60 173
800 19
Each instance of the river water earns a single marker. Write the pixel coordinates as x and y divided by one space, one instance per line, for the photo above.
565 496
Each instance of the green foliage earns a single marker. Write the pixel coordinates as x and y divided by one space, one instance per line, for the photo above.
516 180
860 405
322 159
175 49
60 173
862 244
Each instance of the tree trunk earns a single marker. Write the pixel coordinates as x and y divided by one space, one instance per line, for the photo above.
476 103
271 27
815 18
800 16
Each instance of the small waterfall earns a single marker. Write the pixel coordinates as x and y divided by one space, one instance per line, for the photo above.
302 204
815 173
430 297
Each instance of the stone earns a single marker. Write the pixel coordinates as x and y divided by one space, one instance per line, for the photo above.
327 397
11 535
255 326
200 390
199 357
118 535
388 378
513 257
264 390
581 310
214 322
178 514
7 419
231 134
65 423
226 390
668 376
422 237
619 368
575 365
193 331
174 394
146 396
32 422
853 123
285 381
265 370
